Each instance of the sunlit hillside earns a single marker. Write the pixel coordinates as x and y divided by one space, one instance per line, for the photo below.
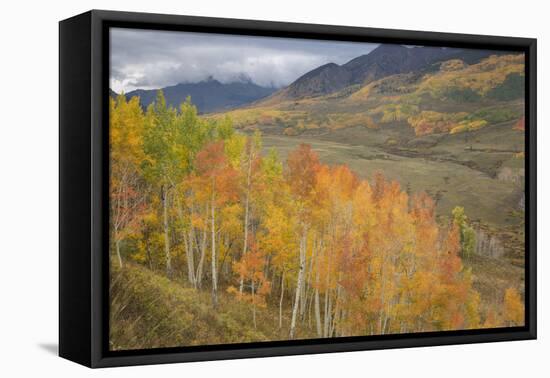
451 97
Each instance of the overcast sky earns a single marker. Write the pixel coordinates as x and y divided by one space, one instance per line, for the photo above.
155 59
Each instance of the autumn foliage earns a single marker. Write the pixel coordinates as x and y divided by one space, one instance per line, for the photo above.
324 249
520 124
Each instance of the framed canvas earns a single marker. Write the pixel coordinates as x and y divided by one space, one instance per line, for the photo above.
234 188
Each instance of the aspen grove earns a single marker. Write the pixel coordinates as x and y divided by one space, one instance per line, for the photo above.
327 253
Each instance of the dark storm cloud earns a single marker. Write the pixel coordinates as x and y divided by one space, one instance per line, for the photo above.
155 59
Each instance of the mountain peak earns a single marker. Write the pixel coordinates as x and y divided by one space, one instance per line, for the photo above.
384 60
209 80
388 48
324 79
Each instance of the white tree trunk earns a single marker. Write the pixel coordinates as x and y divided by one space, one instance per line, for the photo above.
299 284
246 213
191 258
213 244
200 266
327 313
281 300
168 257
307 281
198 275
117 247
253 304
303 296
245 240
188 243
335 318
318 314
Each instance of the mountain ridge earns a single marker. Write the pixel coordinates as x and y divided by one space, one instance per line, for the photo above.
212 96
208 95
450 97
385 60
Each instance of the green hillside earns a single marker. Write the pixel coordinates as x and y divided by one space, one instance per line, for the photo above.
150 311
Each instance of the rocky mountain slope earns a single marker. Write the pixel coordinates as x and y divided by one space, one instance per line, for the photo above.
383 61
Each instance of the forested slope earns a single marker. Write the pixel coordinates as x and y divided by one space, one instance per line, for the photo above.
271 249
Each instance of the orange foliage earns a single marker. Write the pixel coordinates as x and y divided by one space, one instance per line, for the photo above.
514 308
215 173
364 257
520 124
303 164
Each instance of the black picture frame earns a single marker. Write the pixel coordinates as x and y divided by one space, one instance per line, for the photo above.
83 181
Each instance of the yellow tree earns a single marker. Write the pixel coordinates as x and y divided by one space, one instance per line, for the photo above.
219 181
166 160
243 153
277 222
302 164
390 240
333 246
127 195
514 308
